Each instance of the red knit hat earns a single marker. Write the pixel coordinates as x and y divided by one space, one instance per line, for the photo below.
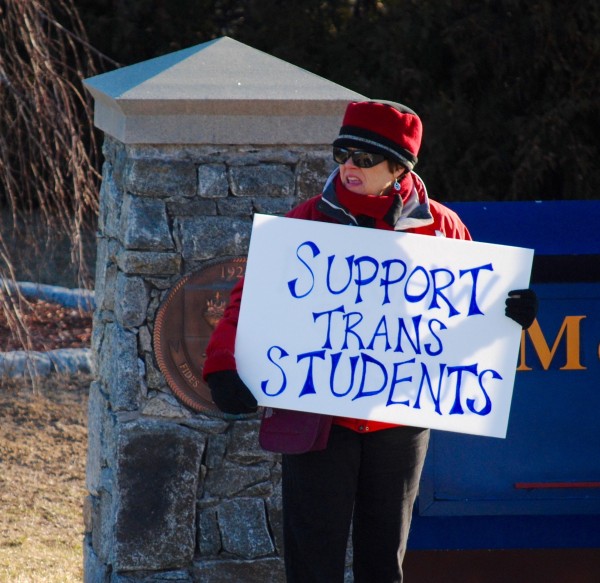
382 127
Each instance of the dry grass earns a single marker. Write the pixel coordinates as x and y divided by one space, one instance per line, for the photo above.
43 440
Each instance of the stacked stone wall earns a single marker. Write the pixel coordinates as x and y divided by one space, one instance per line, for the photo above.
176 495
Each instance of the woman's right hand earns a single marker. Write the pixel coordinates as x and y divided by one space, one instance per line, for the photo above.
230 394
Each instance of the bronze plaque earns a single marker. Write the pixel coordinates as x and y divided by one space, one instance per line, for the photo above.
184 323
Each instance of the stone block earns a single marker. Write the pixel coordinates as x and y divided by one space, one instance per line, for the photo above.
98 326
118 367
145 340
106 273
88 512
110 201
98 426
273 206
166 407
103 521
157 470
152 177
195 207
161 283
212 181
275 517
262 180
232 480
149 262
131 301
253 155
260 490
154 378
209 536
215 451
109 146
179 576
115 152
244 528
144 225
311 175
208 424
270 570
94 570
243 446
235 207
209 237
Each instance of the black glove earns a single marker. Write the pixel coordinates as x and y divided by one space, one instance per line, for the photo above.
522 306
230 394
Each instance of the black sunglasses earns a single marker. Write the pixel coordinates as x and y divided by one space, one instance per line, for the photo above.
360 158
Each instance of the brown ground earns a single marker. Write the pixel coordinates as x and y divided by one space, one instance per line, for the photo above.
43 440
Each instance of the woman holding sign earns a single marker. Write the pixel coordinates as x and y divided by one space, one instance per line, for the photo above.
337 471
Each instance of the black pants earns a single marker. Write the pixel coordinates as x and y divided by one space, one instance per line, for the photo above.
368 480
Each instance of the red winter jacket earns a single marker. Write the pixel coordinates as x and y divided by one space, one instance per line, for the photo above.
220 350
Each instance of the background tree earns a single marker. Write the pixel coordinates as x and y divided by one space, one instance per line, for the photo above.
49 157
507 89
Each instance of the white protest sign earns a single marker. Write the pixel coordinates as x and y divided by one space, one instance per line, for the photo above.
379 325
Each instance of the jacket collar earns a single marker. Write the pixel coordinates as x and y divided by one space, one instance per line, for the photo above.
405 212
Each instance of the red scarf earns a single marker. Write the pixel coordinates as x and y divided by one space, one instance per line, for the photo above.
398 210
375 206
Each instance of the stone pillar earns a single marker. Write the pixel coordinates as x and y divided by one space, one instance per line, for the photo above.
195 143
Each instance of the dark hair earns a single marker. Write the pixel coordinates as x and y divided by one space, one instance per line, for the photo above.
393 166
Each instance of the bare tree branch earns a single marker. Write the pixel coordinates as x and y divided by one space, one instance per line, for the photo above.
49 152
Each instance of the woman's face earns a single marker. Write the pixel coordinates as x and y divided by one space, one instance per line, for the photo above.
375 180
